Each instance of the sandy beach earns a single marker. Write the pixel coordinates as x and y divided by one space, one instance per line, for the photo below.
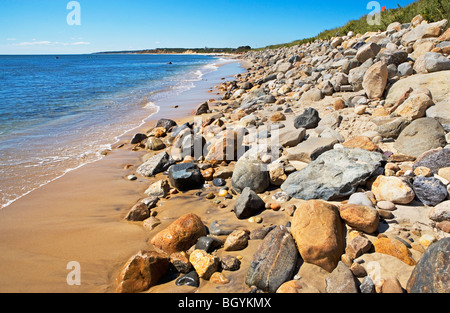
79 217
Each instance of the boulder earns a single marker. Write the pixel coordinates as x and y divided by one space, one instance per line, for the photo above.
434 160
160 189
341 280
237 240
156 164
185 176
423 30
180 235
375 79
142 271
308 119
435 82
391 128
435 62
421 135
395 248
429 190
248 204
250 173
287 136
319 233
432 272
137 138
166 123
440 112
202 108
393 189
154 143
395 57
362 142
441 212
356 75
335 174
360 217
414 106
204 263
274 261
368 51
138 212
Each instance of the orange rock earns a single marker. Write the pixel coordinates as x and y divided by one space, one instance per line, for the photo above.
278 116
142 271
395 248
275 206
208 174
158 132
360 217
204 263
361 142
180 235
219 278
339 104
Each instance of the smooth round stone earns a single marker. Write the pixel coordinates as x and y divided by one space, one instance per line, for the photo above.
131 177
189 279
219 182
386 205
223 192
360 198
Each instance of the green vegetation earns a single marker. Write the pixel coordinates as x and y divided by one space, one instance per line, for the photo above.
181 50
431 10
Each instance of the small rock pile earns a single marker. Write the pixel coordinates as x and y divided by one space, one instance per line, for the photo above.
349 137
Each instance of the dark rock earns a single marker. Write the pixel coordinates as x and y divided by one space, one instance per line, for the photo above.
250 173
274 262
137 138
308 119
166 123
248 204
230 263
185 176
208 244
435 161
219 182
367 285
219 229
189 279
394 57
156 164
430 191
335 174
260 233
432 272
202 108
421 135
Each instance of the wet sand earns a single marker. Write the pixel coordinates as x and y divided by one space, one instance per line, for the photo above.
79 217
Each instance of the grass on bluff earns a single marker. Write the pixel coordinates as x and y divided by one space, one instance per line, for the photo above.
431 10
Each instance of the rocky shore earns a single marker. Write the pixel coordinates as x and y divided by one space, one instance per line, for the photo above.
324 168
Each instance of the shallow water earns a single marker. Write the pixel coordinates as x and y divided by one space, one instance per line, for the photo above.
58 113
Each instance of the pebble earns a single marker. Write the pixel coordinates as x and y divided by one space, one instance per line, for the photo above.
426 240
255 219
223 192
219 182
131 177
386 205
210 196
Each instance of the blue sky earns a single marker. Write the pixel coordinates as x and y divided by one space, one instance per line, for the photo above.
40 27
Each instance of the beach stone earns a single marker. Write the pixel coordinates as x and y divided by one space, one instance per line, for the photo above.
284 67
310 149
360 198
444 226
204 263
217 228
367 285
432 272
155 144
185 176
237 240
430 191
375 79
358 246
318 233
435 82
248 204
276 173
392 57
391 128
420 32
151 222
166 123
386 205
142 271
440 111
297 286
415 106
202 108
180 235
180 260
440 212
230 263
356 75
274 261
250 173
360 217
308 119
341 280
391 285
421 135
362 142
435 62
160 189
314 94
278 116
156 164
335 174
208 244
288 136
434 160
189 279
393 189
219 278
219 182
138 212
137 138
405 69
225 148
395 248
368 51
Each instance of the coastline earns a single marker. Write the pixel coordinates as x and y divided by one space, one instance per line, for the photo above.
79 216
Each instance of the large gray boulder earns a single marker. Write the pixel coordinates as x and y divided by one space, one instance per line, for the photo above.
421 135
335 174
250 173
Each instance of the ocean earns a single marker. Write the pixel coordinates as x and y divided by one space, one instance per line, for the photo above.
58 113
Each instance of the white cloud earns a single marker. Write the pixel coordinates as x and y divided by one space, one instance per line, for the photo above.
49 43
33 43
80 43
